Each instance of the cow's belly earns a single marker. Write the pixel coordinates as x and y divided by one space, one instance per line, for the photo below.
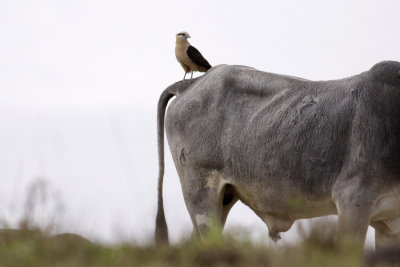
280 207
292 206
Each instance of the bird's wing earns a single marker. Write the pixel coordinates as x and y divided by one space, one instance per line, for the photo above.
197 58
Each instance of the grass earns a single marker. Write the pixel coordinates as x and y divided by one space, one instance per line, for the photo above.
36 248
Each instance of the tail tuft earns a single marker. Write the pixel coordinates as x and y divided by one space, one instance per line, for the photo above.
161 233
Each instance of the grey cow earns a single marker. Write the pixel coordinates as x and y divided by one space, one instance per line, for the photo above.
288 148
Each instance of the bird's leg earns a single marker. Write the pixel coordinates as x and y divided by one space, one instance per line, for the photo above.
191 75
184 76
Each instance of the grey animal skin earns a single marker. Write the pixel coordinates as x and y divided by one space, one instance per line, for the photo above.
288 148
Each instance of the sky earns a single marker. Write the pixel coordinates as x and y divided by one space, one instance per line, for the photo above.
80 81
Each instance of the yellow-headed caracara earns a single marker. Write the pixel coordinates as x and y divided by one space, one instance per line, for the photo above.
189 57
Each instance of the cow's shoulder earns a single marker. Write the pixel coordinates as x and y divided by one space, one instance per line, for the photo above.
385 72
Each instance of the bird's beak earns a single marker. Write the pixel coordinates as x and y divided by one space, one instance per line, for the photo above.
189 36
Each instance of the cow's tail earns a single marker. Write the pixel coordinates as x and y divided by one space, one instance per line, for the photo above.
161 231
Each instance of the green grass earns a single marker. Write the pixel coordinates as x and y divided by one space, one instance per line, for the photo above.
36 248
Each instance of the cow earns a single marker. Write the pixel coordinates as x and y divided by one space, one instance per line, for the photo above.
288 148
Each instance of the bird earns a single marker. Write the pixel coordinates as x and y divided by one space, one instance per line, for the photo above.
188 56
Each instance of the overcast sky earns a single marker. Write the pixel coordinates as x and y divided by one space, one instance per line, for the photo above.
80 80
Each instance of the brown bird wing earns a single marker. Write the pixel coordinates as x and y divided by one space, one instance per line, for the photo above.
197 58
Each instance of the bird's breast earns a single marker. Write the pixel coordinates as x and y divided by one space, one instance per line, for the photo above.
180 52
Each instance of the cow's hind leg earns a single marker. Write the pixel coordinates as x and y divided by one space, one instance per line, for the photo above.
354 205
204 198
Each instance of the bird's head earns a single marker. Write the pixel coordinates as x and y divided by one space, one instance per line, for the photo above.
180 36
